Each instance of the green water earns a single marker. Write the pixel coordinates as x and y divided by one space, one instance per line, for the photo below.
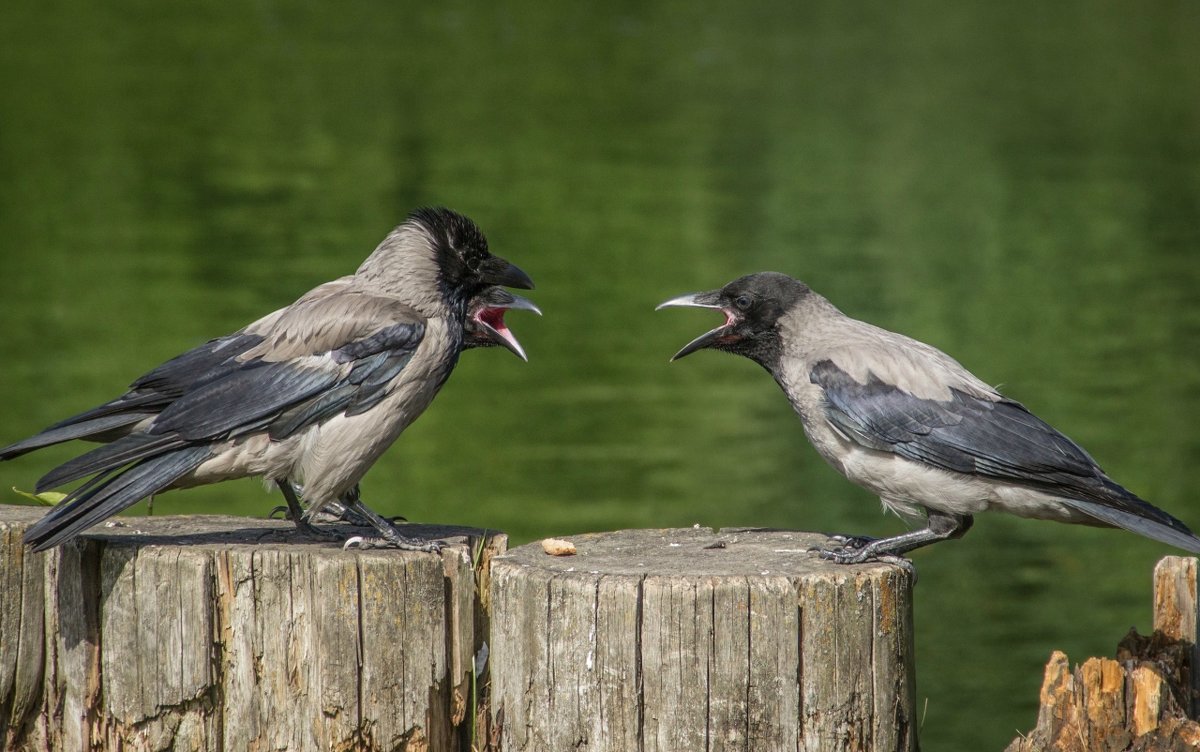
1016 183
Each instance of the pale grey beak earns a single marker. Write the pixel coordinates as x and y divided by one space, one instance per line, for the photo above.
692 300
523 304
709 299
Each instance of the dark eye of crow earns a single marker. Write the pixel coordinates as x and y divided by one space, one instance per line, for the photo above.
474 259
743 302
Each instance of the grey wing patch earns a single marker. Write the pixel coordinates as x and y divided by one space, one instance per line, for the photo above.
995 439
361 390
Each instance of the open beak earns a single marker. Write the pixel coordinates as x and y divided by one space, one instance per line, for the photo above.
489 321
709 299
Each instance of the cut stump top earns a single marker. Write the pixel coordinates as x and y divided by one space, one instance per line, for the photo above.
228 531
695 551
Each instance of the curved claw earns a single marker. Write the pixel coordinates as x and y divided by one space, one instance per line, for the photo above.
280 510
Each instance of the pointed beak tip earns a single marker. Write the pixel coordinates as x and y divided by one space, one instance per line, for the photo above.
523 304
673 302
691 300
525 282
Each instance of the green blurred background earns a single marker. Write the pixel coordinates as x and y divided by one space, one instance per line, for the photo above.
1017 183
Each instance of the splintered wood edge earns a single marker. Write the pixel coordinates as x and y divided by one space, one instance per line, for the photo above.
1175 597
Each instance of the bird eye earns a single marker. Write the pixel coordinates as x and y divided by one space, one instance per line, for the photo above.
474 259
742 302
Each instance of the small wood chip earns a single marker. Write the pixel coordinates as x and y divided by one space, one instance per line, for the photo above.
558 547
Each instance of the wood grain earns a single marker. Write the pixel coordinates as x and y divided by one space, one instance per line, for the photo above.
220 633
655 640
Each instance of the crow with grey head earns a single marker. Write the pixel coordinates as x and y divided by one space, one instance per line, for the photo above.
312 393
907 422
485 327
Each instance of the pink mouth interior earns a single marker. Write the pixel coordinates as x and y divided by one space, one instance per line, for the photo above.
730 320
494 317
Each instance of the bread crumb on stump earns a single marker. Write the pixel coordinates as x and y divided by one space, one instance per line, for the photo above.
558 547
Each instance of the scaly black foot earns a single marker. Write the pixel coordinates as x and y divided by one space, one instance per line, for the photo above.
939 526
396 541
389 536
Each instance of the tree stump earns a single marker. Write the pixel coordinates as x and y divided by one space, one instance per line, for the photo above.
224 633
699 640
1145 700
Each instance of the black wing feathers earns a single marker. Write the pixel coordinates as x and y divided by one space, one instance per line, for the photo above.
999 440
86 429
965 434
203 397
240 398
146 397
108 457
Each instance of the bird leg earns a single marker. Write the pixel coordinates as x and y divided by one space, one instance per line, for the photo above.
296 514
331 511
346 509
939 526
335 511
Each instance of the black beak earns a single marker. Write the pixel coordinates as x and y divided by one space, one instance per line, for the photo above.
709 299
497 271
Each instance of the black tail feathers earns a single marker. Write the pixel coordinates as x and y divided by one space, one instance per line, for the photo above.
103 497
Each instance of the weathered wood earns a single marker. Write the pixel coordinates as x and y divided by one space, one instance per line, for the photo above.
656 640
223 633
1145 700
1175 614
